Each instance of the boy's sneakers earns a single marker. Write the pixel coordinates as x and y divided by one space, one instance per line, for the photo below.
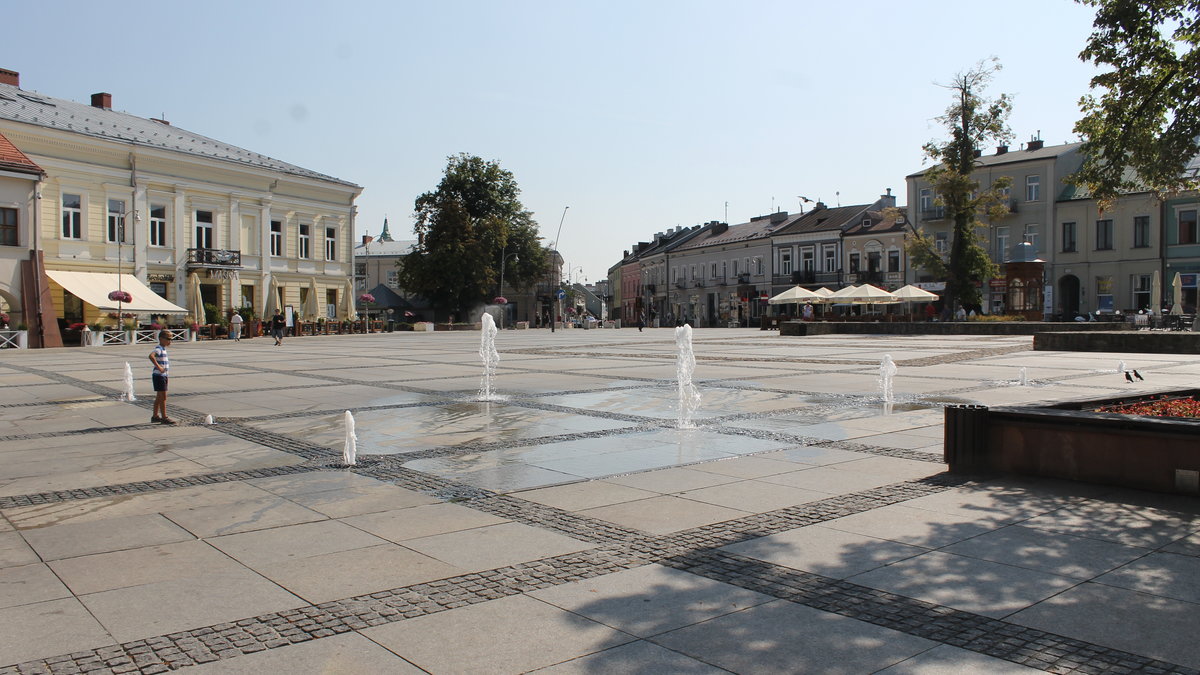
155 419
166 420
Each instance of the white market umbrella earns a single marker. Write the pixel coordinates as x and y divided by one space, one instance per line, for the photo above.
1177 291
310 304
195 299
794 296
912 293
348 310
1155 291
866 294
842 294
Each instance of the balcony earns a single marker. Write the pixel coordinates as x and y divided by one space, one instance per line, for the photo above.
743 278
933 213
214 258
804 277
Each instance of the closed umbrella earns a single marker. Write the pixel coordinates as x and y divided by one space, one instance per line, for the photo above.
1155 291
195 299
271 302
310 304
1177 291
348 311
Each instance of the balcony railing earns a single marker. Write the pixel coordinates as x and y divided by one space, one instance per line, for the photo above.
934 213
743 278
213 257
804 277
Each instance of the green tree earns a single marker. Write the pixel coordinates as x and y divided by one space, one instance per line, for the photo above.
973 122
470 225
1144 127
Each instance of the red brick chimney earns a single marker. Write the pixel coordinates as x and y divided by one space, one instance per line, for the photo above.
102 100
10 77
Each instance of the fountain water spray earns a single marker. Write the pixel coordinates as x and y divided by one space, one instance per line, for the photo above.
350 452
1121 367
128 395
685 365
887 371
208 419
489 356
1023 378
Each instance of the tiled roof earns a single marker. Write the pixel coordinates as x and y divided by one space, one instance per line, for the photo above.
823 219
13 159
879 225
755 229
18 105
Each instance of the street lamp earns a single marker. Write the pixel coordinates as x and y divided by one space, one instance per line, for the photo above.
500 290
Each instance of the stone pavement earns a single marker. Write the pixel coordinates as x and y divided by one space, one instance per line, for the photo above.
801 526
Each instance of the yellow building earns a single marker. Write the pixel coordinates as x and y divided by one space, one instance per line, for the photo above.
129 195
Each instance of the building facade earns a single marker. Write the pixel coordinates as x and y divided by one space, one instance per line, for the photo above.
19 179
129 195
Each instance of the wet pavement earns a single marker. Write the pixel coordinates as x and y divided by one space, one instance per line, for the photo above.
569 525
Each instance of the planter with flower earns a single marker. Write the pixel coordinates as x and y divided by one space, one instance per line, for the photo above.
1145 441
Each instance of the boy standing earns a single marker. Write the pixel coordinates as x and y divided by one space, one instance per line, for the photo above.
162 368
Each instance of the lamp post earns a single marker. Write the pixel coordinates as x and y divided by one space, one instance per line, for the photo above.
500 290
557 302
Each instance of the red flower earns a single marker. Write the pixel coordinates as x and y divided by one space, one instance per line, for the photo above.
500 300
120 296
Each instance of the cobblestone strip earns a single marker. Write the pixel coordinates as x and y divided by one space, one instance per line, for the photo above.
278 629
1018 644
143 487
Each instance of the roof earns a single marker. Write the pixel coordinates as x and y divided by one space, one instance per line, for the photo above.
379 248
13 159
823 219
879 225
755 229
1016 156
18 105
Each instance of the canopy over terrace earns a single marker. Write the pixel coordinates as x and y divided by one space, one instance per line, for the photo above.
94 287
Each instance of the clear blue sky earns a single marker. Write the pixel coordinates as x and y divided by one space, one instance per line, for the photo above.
639 115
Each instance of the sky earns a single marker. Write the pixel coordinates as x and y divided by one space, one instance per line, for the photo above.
638 115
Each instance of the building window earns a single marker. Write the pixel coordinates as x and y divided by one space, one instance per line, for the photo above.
1141 232
204 229
1002 243
853 263
893 261
785 262
926 200
8 227
1033 188
1068 237
874 261
393 279
940 242
116 221
733 267
831 264
1031 236
330 243
72 216
758 266
277 238
1104 298
160 289
1187 226
158 225
1141 290
712 270
807 260
305 251
1104 234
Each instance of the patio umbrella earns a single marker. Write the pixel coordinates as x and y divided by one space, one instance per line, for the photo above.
910 294
1177 292
348 312
795 295
841 294
195 299
824 293
310 303
1155 291
271 302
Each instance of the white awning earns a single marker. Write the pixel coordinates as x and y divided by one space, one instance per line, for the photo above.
94 287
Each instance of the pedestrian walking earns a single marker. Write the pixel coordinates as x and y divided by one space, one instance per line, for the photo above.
158 377
278 323
235 327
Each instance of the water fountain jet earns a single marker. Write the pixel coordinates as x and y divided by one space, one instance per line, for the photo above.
489 356
128 395
887 371
350 451
685 366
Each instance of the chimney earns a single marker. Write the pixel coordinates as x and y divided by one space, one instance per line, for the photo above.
1001 149
367 239
162 122
978 154
102 100
1035 143
887 199
10 77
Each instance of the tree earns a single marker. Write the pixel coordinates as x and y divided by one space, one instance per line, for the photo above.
973 122
1144 128
467 228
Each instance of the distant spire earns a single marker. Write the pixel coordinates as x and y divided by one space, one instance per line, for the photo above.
385 235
